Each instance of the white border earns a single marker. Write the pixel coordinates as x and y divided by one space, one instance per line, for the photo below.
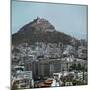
5 43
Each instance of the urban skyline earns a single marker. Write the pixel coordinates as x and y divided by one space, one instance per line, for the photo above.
50 50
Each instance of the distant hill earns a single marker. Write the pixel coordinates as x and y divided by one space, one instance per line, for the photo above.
40 30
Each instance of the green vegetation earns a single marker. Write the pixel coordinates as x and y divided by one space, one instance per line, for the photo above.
14 86
77 67
34 36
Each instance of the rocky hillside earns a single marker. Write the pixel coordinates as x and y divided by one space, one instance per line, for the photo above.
40 30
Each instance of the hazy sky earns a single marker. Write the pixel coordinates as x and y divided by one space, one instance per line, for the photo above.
70 19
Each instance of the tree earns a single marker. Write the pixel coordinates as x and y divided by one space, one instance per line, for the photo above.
14 86
79 67
73 67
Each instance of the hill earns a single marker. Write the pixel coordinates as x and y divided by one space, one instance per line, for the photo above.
40 30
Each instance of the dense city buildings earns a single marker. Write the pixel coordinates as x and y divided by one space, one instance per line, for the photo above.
44 57
33 64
